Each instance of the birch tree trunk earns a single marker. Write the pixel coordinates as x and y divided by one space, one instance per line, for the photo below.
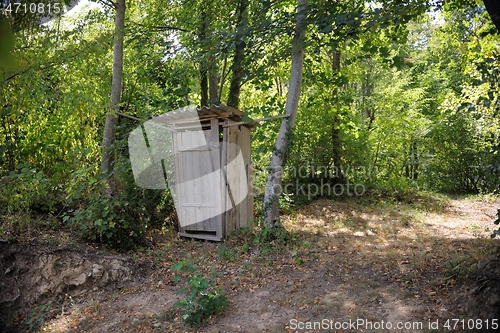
270 209
116 91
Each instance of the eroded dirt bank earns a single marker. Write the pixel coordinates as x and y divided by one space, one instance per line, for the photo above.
36 274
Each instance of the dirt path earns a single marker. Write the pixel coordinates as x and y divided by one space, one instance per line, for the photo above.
353 266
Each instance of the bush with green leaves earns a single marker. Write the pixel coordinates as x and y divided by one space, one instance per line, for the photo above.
120 221
201 299
274 238
27 189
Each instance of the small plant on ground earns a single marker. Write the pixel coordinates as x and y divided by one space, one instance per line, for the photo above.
201 298
226 254
274 238
454 268
35 319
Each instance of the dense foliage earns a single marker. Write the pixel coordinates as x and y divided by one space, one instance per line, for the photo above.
394 98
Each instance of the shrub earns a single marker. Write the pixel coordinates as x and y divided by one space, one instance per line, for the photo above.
201 299
28 189
119 221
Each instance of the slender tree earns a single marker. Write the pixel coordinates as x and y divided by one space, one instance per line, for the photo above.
336 144
239 54
202 37
116 91
270 210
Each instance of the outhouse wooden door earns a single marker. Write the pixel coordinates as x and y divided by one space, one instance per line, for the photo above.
198 182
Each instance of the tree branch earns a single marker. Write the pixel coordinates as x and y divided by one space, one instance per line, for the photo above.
162 27
108 3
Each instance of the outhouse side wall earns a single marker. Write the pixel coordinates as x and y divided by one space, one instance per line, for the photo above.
237 214
246 209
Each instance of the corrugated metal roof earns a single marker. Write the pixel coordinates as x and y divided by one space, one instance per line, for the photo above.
213 111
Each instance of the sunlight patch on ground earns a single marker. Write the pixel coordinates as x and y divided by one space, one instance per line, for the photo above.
60 325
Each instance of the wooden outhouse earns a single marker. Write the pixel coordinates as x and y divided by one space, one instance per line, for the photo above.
213 172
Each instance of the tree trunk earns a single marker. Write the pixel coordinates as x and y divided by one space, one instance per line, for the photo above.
415 160
336 146
239 56
202 37
213 81
116 91
203 85
222 77
366 90
270 209
412 164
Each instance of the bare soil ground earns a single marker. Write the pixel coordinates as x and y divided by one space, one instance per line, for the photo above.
370 263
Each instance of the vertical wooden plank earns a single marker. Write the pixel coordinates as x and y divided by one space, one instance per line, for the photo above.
215 159
199 183
182 172
250 196
187 161
232 176
202 167
189 165
242 218
229 216
186 171
223 190
247 155
244 144
177 170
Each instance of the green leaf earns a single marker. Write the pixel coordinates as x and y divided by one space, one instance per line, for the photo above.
181 291
178 267
247 119
327 29
204 284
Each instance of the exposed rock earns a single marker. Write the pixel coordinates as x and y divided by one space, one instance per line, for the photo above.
32 274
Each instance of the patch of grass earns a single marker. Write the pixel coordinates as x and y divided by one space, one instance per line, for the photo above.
454 268
226 254
274 239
